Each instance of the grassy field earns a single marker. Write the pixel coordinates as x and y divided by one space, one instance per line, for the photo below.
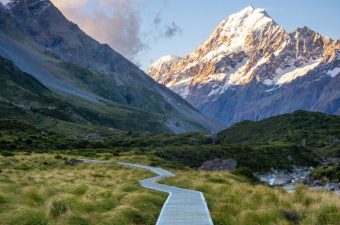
234 201
40 189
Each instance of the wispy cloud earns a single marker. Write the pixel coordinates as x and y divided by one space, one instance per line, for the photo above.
117 23
165 29
172 30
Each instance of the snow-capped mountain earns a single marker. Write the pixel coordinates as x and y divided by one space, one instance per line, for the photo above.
251 68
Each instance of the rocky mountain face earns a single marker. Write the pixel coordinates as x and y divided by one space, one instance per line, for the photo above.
42 42
251 68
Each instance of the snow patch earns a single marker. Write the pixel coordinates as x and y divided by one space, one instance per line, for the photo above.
168 59
182 87
334 72
193 64
268 82
292 72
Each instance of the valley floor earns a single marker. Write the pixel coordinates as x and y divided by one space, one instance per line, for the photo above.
234 201
40 189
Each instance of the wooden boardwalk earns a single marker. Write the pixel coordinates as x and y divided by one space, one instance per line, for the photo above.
183 206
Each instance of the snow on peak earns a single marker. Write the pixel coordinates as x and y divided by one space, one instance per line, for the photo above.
157 69
231 34
248 19
165 60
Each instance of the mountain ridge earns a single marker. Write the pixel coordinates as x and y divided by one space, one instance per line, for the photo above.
247 48
41 41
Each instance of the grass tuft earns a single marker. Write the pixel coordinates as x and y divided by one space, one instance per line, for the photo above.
77 220
24 216
58 208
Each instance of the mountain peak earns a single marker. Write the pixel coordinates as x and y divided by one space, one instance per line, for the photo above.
249 18
232 33
30 3
248 59
167 59
247 9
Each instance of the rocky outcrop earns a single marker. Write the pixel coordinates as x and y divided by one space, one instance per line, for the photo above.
219 165
251 68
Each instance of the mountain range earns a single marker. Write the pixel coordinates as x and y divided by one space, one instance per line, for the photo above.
250 68
98 85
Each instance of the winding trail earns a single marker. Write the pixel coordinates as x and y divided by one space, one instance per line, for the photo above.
183 206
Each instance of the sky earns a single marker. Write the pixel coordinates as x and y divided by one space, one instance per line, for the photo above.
144 30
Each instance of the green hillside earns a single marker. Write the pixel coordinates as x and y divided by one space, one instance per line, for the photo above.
22 97
313 130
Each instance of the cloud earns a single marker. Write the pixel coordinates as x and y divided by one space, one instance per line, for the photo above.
115 22
172 30
157 20
118 23
164 29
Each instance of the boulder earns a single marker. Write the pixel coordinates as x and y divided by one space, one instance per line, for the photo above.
219 165
72 138
282 179
213 138
93 137
73 162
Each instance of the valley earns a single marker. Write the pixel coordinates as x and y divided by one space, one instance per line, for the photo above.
244 130
41 188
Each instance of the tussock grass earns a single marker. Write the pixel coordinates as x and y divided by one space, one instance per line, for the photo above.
46 191
40 189
234 201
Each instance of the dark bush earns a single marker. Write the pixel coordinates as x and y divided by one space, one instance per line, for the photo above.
291 215
7 153
58 157
247 173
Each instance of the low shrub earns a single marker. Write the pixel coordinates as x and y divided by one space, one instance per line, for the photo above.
247 173
7 153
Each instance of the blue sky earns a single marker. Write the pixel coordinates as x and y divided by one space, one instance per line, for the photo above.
194 21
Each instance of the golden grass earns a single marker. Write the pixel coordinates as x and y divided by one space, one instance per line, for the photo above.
38 189
41 190
233 201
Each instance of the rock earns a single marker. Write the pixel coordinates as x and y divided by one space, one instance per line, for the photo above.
213 138
282 179
73 162
93 137
219 165
318 183
335 142
331 161
72 138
